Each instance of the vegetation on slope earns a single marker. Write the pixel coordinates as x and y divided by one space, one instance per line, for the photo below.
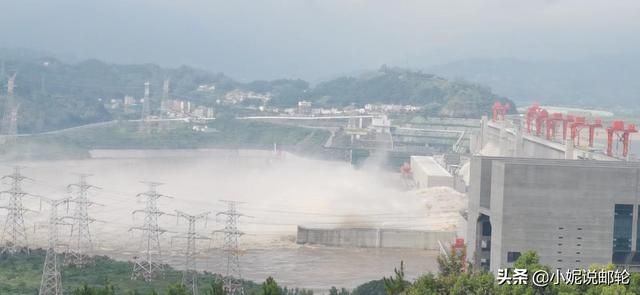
54 95
20 274
222 133
397 86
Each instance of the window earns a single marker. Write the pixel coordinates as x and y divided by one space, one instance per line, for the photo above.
622 224
561 228
512 256
578 245
578 253
579 238
622 227
486 229
638 235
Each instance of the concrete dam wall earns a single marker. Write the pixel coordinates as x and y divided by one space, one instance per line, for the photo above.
374 238
509 139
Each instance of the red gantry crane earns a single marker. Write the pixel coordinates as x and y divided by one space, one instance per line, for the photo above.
551 126
577 125
618 128
532 113
581 123
500 110
568 119
597 123
541 118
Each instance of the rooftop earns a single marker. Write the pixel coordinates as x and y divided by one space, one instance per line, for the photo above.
430 166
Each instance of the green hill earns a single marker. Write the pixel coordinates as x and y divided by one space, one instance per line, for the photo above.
397 86
54 94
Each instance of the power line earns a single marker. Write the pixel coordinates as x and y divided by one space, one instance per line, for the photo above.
232 281
149 264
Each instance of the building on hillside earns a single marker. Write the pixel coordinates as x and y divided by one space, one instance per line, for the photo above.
203 112
304 107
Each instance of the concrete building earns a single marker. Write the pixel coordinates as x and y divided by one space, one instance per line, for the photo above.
304 107
573 213
427 172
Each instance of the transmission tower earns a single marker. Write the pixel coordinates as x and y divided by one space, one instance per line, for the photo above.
51 283
13 123
81 248
163 105
190 274
10 110
14 233
232 281
146 109
165 97
149 263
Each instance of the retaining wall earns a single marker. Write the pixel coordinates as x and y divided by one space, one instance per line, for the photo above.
374 238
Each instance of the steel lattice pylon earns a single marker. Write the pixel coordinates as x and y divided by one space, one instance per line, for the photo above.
165 98
190 273
51 283
149 263
8 104
81 245
232 281
9 119
146 109
14 233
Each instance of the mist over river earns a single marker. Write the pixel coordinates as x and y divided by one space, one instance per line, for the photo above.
279 192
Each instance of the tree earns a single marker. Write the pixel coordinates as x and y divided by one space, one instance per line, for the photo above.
216 288
454 263
335 291
397 285
270 287
466 283
427 284
370 288
86 290
530 261
177 289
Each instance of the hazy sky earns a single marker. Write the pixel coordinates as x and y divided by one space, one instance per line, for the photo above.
315 39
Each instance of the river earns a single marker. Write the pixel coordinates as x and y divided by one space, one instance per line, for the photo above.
278 193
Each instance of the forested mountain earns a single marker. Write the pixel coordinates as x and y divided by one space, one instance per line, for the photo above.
398 86
54 94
